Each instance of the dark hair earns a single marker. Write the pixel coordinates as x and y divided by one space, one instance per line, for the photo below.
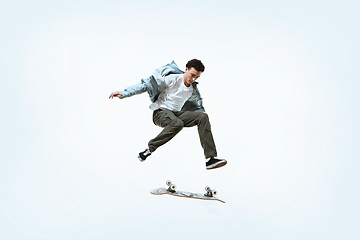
197 64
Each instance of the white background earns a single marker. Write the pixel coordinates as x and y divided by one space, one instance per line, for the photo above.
281 88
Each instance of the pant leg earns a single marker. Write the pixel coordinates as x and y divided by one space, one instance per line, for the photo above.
201 120
171 125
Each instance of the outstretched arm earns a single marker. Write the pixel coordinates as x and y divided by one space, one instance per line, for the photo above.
129 91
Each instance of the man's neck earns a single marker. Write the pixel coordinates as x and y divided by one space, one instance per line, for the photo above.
186 84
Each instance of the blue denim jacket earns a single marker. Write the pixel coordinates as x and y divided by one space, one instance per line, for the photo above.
154 85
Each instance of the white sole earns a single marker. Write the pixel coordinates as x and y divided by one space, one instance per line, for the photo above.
217 165
140 159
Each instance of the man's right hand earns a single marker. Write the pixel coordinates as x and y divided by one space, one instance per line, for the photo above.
116 94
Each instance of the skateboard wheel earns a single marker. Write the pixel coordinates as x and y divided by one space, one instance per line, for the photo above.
207 188
213 192
168 182
172 188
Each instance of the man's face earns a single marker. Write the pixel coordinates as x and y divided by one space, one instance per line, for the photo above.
190 76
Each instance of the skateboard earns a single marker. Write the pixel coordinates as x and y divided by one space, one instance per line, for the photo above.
171 190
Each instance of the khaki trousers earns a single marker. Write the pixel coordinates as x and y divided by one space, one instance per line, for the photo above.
173 121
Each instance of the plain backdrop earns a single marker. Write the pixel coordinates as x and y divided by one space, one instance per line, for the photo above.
280 87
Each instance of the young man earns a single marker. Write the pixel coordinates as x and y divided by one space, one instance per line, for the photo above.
177 103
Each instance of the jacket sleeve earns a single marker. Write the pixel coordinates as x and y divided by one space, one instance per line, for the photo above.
154 84
134 90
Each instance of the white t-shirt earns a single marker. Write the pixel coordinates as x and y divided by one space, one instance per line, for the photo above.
175 94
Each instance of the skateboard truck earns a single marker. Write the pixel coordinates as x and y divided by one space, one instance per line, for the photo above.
210 192
171 187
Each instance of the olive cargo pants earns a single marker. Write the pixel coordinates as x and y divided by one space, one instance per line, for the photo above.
173 121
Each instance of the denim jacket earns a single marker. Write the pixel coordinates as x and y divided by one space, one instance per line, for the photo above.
155 84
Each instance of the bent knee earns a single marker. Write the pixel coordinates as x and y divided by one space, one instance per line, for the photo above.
177 123
204 117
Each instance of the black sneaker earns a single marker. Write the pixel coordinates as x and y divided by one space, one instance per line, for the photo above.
143 155
215 163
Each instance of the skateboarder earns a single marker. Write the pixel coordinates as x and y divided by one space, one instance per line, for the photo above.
177 103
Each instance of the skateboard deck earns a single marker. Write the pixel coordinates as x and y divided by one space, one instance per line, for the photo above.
209 195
